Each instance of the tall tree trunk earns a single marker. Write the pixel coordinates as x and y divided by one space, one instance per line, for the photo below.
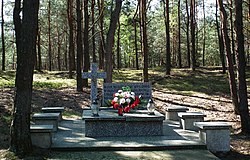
39 55
187 28
110 40
49 38
233 89
221 43
66 52
71 37
93 30
193 24
79 79
101 43
135 34
204 34
143 15
241 65
136 46
3 39
14 51
118 46
58 46
232 31
179 34
86 59
26 50
168 53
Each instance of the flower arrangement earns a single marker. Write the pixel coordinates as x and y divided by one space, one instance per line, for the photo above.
125 100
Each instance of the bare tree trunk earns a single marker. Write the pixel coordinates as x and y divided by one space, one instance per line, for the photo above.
71 37
118 46
110 41
221 43
26 31
3 38
143 15
233 89
39 58
136 46
204 34
232 31
188 42
79 79
86 59
179 35
93 30
193 24
58 46
101 43
135 34
66 52
241 65
168 53
49 38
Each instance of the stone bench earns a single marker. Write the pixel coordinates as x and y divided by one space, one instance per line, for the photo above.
41 135
187 119
172 112
216 135
54 110
143 89
47 119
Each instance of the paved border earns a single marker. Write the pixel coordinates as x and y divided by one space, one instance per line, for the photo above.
71 137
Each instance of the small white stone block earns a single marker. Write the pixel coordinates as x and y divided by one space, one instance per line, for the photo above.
187 119
172 112
216 135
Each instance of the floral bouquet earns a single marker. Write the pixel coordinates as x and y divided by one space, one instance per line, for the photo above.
125 100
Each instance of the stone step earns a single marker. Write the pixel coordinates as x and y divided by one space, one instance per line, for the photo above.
54 110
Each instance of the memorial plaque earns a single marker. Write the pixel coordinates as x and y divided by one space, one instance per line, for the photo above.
143 89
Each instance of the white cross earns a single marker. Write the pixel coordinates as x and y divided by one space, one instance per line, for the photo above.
93 75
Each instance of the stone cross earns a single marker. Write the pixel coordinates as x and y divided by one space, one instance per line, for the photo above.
93 75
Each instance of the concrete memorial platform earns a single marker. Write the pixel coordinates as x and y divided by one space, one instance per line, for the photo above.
109 124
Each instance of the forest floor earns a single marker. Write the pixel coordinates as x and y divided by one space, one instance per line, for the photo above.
204 90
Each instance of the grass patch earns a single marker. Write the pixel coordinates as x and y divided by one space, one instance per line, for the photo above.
71 114
51 80
186 81
7 78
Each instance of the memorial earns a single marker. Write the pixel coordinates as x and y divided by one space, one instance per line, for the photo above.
109 124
